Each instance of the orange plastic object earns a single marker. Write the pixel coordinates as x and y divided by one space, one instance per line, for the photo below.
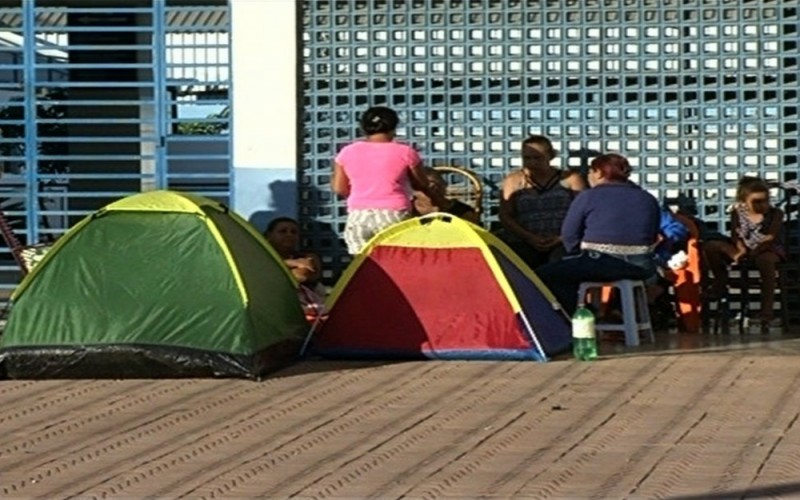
687 281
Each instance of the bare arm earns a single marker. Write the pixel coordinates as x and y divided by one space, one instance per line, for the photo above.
423 204
507 208
734 229
316 263
740 250
340 183
419 182
306 269
574 181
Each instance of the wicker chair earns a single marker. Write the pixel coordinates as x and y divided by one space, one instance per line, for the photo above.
463 185
26 256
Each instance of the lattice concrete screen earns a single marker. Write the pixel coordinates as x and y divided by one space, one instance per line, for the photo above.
695 92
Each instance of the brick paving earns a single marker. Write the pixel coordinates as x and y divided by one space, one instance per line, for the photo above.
675 422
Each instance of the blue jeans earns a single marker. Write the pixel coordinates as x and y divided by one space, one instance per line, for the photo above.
565 276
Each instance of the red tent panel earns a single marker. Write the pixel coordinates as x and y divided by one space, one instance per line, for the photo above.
410 300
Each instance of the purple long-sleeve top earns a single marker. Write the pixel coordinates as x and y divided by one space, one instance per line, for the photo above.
612 213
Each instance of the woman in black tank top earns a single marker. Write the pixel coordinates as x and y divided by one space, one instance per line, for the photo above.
535 200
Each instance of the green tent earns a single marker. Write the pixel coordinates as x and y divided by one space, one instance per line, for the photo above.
158 284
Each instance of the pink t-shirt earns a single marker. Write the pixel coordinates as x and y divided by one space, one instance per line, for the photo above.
379 174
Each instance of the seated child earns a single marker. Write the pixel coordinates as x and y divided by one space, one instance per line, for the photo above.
423 204
755 227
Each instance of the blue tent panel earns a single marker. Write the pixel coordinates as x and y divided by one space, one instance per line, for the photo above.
551 327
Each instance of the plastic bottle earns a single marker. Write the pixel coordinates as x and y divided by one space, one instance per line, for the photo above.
584 340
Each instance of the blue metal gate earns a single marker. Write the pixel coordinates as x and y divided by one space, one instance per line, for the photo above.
99 100
695 92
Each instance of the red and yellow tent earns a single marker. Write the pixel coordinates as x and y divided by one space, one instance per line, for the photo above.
440 287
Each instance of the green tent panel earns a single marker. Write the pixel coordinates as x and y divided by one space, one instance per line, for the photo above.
157 284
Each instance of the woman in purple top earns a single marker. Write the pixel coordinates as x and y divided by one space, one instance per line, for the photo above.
377 176
609 232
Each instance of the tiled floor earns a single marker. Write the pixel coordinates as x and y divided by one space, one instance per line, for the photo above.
691 417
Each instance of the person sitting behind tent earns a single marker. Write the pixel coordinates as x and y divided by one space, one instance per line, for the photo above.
534 202
424 206
608 232
283 233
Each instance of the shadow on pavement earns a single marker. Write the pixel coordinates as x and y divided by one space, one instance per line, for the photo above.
788 490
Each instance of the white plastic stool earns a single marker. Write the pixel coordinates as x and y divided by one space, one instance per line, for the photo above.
635 312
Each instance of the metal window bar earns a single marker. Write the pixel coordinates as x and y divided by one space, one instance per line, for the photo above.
86 110
197 91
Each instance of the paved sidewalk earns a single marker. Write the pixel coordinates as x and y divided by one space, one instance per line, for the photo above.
717 422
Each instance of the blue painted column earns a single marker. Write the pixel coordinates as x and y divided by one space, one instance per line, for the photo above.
264 64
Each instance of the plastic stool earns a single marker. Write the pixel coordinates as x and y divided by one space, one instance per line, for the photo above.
635 313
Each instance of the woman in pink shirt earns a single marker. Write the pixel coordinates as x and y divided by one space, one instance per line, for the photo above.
377 176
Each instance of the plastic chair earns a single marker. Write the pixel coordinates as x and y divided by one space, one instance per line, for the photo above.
463 185
635 312
687 281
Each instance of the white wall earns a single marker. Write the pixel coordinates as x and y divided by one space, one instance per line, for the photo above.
264 83
264 46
